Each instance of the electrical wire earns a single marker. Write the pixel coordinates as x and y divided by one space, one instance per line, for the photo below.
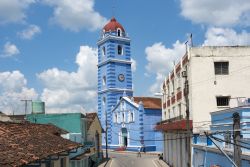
221 140
154 139
236 140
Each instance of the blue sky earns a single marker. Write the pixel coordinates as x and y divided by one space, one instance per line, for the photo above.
40 40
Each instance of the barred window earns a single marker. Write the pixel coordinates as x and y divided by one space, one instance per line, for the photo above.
103 51
223 101
119 50
221 68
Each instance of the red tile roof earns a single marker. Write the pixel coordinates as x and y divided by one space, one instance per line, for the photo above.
113 25
149 102
24 143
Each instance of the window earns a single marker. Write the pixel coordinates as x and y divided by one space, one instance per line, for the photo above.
173 111
178 81
123 117
118 32
103 51
221 68
179 108
168 113
222 101
172 87
131 116
168 91
104 80
119 50
104 101
115 118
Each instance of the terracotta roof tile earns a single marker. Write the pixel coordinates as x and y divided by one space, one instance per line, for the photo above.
149 102
113 25
23 143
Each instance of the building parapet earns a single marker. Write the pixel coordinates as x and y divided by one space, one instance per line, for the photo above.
175 125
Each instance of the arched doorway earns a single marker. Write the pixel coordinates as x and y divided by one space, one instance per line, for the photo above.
124 137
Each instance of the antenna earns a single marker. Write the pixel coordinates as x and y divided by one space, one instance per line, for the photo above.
26 104
191 40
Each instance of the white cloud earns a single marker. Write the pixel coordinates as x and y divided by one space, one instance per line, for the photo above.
218 13
133 65
13 89
10 50
13 11
161 60
29 32
76 14
72 91
226 37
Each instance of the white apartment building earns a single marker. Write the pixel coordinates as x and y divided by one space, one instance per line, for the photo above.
217 76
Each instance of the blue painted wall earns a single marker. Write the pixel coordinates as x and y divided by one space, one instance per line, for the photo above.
141 130
222 122
112 65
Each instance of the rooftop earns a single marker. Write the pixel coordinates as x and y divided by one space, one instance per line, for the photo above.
113 25
24 143
149 102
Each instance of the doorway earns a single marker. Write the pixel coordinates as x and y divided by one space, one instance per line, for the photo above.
124 137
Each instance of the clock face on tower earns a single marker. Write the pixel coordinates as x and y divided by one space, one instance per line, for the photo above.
121 77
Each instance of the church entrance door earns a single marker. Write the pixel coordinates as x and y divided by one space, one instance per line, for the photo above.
124 137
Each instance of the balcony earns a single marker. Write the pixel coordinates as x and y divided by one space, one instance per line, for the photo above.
174 124
173 100
179 95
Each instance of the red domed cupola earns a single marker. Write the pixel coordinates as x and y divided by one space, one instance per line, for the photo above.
113 25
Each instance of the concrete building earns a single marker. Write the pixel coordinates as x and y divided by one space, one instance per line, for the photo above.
134 120
94 133
215 76
205 153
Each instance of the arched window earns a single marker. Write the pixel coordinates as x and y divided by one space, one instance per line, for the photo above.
103 51
116 117
123 117
118 32
104 80
119 50
131 116
104 101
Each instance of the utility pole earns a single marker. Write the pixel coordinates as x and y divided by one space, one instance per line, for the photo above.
26 104
188 143
236 138
106 134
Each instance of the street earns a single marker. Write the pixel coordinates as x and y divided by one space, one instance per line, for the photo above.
126 159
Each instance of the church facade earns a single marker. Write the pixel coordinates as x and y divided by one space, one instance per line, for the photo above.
134 120
114 79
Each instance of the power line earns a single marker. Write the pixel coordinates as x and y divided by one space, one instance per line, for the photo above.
237 140
221 140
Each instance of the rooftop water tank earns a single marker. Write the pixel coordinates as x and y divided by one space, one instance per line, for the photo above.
38 107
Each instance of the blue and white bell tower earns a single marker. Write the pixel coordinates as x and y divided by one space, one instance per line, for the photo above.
114 72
